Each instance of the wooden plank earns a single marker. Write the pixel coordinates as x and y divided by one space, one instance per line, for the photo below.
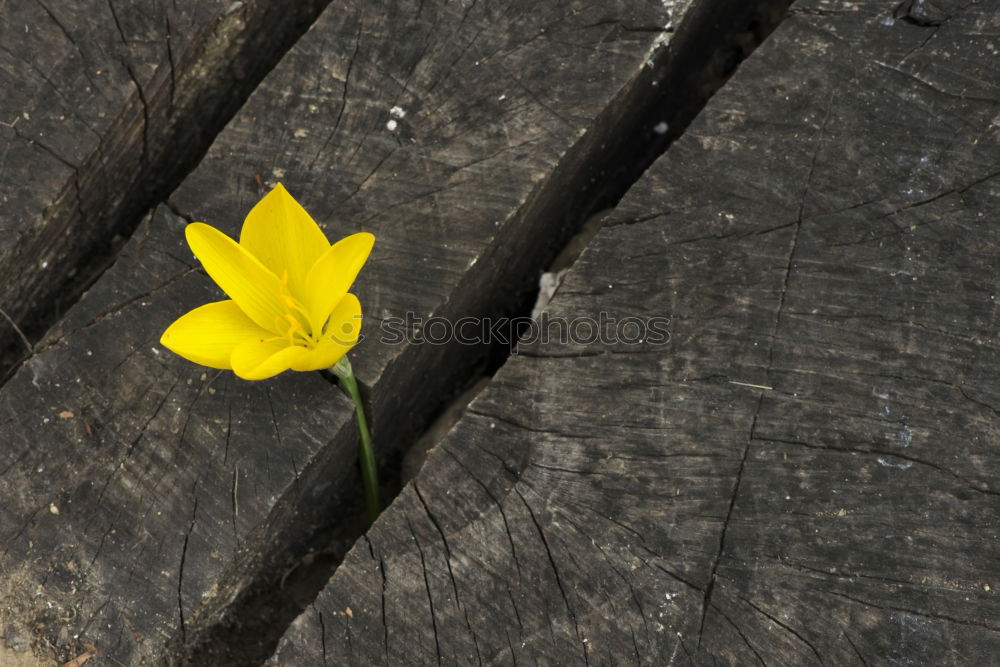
128 478
501 111
804 473
466 193
107 104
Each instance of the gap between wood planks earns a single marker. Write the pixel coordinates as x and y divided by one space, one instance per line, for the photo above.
686 78
698 61
170 124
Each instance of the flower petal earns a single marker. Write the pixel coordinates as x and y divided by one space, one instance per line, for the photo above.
280 233
333 273
253 287
342 333
344 325
258 359
208 334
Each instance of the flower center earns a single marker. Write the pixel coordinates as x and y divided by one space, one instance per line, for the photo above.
290 325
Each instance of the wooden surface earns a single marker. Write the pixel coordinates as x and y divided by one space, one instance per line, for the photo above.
129 477
107 104
148 501
507 108
806 473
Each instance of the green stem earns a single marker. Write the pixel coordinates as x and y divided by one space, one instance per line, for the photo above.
366 455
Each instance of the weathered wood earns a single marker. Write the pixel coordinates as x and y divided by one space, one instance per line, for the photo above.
806 473
507 109
128 478
107 104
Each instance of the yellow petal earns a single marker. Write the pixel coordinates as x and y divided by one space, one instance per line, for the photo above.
333 273
208 334
258 359
247 282
342 333
344 325
280 233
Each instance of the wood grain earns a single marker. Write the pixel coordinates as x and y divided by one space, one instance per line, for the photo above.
128 478
806 473
107 105
507 109
147 499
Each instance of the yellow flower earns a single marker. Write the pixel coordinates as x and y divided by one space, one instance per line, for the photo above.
289 306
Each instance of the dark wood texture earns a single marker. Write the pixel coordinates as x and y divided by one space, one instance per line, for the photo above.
128 477
807 472
145 498
511 113
107 104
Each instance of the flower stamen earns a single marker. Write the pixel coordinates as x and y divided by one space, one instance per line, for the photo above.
297 333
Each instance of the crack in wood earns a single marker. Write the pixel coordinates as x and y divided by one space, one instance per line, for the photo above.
776 323
741 634
786 627
710 586
497 501
184 104
966 482
555 571
943 617
180 569
427 586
